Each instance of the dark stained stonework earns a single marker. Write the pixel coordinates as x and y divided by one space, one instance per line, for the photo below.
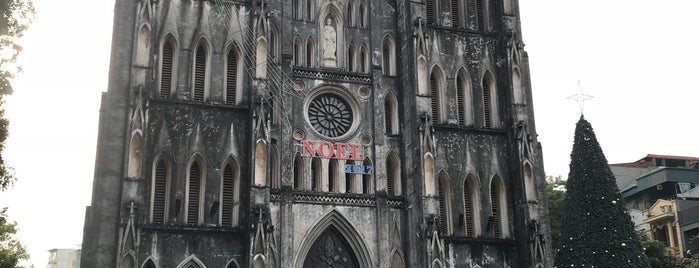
455 91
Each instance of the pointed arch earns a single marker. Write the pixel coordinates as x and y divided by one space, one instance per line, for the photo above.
437 95
261 163
498 223
191 262
332 12
363 15
275 167
160 193
464 97
316 174
230 193
491 116
471 206
298 51
232 264
364 59
368 177
422 85
233 74
529 184
261 57
458 18
148 263
333 176
388 56
168 61
397 259
310 52
298 9
143 46
274 45
200 72
343 229
351 19
259 261
390 114
310 10
351 58
518 93
135 155
298 172
445 211
394 184
430 185
128 261
196 183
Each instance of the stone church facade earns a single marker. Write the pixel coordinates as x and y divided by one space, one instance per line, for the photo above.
317 133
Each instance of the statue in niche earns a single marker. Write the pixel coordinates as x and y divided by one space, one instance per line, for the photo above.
330 45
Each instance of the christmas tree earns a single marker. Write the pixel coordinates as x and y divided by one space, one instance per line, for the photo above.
596 231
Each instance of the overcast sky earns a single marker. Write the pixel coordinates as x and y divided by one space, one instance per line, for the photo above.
638 58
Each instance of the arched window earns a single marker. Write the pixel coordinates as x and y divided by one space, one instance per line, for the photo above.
135 156
388 56
350 178
351 65
230 185
274 43
298 9
333 176
458 19
149 264
143 48
127 262
350 14
367 177
517 86
471 198
167 64
316 175
364 59
463 98
261 164
232 264
430 186
445 222
507 7
498 222
160 195
391 114
298 172
195 194
422 76
200 66
232 75
298 52
397 261
363 15
482 15
432 10
261 58
436 94
310 8
393 178
310 52
490 101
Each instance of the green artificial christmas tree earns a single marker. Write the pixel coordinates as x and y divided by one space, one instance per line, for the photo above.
596 231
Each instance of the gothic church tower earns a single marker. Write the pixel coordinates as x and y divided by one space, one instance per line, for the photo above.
317 133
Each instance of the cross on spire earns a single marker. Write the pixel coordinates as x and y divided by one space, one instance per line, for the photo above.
580 97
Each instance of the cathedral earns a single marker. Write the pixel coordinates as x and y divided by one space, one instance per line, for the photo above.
317 133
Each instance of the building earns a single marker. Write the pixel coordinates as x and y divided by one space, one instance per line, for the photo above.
64 258
661 193
309 133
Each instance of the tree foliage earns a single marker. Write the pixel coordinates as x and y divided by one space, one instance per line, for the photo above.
555 193
596 231
11 250
657 254
15 17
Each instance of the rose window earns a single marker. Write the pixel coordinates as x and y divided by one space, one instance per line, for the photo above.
330 115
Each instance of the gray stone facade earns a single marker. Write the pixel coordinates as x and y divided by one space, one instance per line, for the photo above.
317 133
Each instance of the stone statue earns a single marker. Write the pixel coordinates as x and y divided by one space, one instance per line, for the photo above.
330 48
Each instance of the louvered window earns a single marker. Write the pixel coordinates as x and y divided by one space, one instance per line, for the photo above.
309 53
166 70
455 13
298 172
362 60
388 116
390 177
227 200
386 59
481 15
442 208
332 175
486 104
430 9
350 59
159 192
193 194
495 218
468 209
316 174
231 77
199 74
460 91
434 92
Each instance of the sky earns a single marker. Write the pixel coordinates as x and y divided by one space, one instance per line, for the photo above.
637 58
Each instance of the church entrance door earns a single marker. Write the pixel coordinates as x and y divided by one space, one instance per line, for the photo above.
331 250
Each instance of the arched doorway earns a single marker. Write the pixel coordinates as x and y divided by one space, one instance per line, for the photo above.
331 250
